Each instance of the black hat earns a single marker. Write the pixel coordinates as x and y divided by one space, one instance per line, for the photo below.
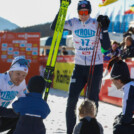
36 84
127 34
120 71
84 4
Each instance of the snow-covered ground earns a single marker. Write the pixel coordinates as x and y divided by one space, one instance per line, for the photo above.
55 122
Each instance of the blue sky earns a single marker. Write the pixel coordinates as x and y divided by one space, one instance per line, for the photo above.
31 12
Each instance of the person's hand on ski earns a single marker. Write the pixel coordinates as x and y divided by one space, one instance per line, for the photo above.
103 21
65 0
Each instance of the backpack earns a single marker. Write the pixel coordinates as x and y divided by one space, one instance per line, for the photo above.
89 127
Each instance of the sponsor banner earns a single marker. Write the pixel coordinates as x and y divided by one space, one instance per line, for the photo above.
85 33
62 75
16 44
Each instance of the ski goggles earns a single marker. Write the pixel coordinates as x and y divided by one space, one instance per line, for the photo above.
22 62
83 12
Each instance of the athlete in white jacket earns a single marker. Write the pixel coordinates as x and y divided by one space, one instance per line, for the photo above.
12 84
84 31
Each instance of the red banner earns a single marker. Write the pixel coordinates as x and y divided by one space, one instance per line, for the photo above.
16 44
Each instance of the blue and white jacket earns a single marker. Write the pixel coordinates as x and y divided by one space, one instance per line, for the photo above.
128 102
84 38
8 91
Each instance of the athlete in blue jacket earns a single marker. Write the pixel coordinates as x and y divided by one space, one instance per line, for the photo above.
84 31
32 109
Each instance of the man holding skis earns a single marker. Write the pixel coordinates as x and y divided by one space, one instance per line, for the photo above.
12 84
84 30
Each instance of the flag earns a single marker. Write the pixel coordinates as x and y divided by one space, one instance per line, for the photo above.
130 11
107 2
132 8
127 18
111 25
117 22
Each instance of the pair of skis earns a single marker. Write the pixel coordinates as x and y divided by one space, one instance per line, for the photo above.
50 66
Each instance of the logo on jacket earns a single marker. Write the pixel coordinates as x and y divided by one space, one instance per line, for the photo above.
8 95
10 83
85 33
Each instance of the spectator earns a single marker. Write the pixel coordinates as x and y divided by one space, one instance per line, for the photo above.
115 49
113 52
120 76
32 109
42 70
122 44
88 122
64 51
131 29
128 51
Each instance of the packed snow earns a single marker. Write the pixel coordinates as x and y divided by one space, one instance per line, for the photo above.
55 123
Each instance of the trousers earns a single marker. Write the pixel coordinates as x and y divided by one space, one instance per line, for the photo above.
78 81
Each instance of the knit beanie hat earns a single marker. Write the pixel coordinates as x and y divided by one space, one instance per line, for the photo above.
19 63
84 4
36 84
120 71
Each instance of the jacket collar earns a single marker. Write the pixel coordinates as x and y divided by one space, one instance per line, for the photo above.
33 94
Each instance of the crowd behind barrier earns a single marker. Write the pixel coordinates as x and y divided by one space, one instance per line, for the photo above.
124 49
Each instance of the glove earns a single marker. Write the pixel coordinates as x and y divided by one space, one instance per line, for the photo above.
121 119
103 21
66 0
117 120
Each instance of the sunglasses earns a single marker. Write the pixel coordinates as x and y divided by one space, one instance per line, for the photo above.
22 62
83 12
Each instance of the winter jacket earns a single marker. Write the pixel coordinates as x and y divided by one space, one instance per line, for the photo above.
128 52
88 125
8 91
30 125
84 38
32 104
32 109
127 103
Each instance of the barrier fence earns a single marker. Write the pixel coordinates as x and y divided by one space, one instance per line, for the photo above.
63 71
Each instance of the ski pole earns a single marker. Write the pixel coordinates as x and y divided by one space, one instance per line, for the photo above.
91 70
